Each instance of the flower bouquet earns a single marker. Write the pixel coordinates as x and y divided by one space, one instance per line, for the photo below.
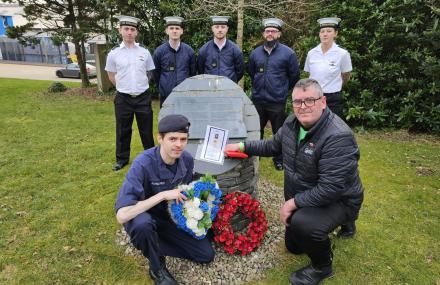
196 214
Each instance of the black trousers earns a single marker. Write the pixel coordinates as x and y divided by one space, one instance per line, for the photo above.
335 103
126 108
309 229
161 100
275 113
156 237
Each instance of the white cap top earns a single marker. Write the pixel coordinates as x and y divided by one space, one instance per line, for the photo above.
273 23
329 22
128 21
220 20
174 21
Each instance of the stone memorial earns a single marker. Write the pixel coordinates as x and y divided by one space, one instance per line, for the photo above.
218 101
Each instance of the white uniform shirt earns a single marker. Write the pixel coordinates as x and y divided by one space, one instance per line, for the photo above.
131 66
327 68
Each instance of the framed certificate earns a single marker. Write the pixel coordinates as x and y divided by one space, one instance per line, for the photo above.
214 145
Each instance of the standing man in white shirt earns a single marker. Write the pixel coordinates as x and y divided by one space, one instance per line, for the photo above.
128 67
329 64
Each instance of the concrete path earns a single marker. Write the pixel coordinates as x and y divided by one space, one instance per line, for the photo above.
36 72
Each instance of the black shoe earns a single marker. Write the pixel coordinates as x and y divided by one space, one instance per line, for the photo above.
278 165
310 275
347 230
119 165
162 277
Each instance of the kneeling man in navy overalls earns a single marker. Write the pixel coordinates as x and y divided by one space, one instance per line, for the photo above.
141 205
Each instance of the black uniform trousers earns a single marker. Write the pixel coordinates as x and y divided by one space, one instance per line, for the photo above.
161 100
275 113
309 229
126 107
335 103
156 237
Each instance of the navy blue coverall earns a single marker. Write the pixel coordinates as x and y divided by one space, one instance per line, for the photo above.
225 62
172 67
273 75
153 232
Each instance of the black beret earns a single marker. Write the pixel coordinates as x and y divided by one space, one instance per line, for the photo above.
174 123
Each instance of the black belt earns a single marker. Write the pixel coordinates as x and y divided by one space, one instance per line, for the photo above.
132 95
330 94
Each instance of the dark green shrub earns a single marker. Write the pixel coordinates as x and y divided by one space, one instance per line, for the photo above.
57 87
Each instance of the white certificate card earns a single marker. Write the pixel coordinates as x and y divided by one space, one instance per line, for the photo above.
214 145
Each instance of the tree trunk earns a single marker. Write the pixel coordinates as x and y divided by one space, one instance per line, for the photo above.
78 41
83 50
81 63
240 28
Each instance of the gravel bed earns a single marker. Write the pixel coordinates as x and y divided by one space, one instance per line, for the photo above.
226 268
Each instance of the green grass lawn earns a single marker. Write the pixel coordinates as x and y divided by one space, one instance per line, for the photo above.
57 192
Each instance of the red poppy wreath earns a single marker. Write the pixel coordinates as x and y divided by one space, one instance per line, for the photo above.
251 237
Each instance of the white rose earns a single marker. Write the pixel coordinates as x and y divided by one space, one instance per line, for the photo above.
188 204
197 214
192 224
199 232
190 212
196 202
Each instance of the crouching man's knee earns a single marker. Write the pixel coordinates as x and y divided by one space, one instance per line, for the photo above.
140 229
208 257
203 252
305 228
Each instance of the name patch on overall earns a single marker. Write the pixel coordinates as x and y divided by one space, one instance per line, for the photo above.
158 183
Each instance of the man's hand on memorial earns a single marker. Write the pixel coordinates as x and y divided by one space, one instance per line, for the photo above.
287 210
232 147
174 194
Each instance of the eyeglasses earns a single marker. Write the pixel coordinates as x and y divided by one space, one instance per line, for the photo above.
270 31
308 102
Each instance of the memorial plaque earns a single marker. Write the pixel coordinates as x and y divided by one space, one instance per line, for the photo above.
227 114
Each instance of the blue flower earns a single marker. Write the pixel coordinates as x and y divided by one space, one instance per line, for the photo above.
181 220
216 202
214 212
216 192
176 208
204 207
196 191
203 186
